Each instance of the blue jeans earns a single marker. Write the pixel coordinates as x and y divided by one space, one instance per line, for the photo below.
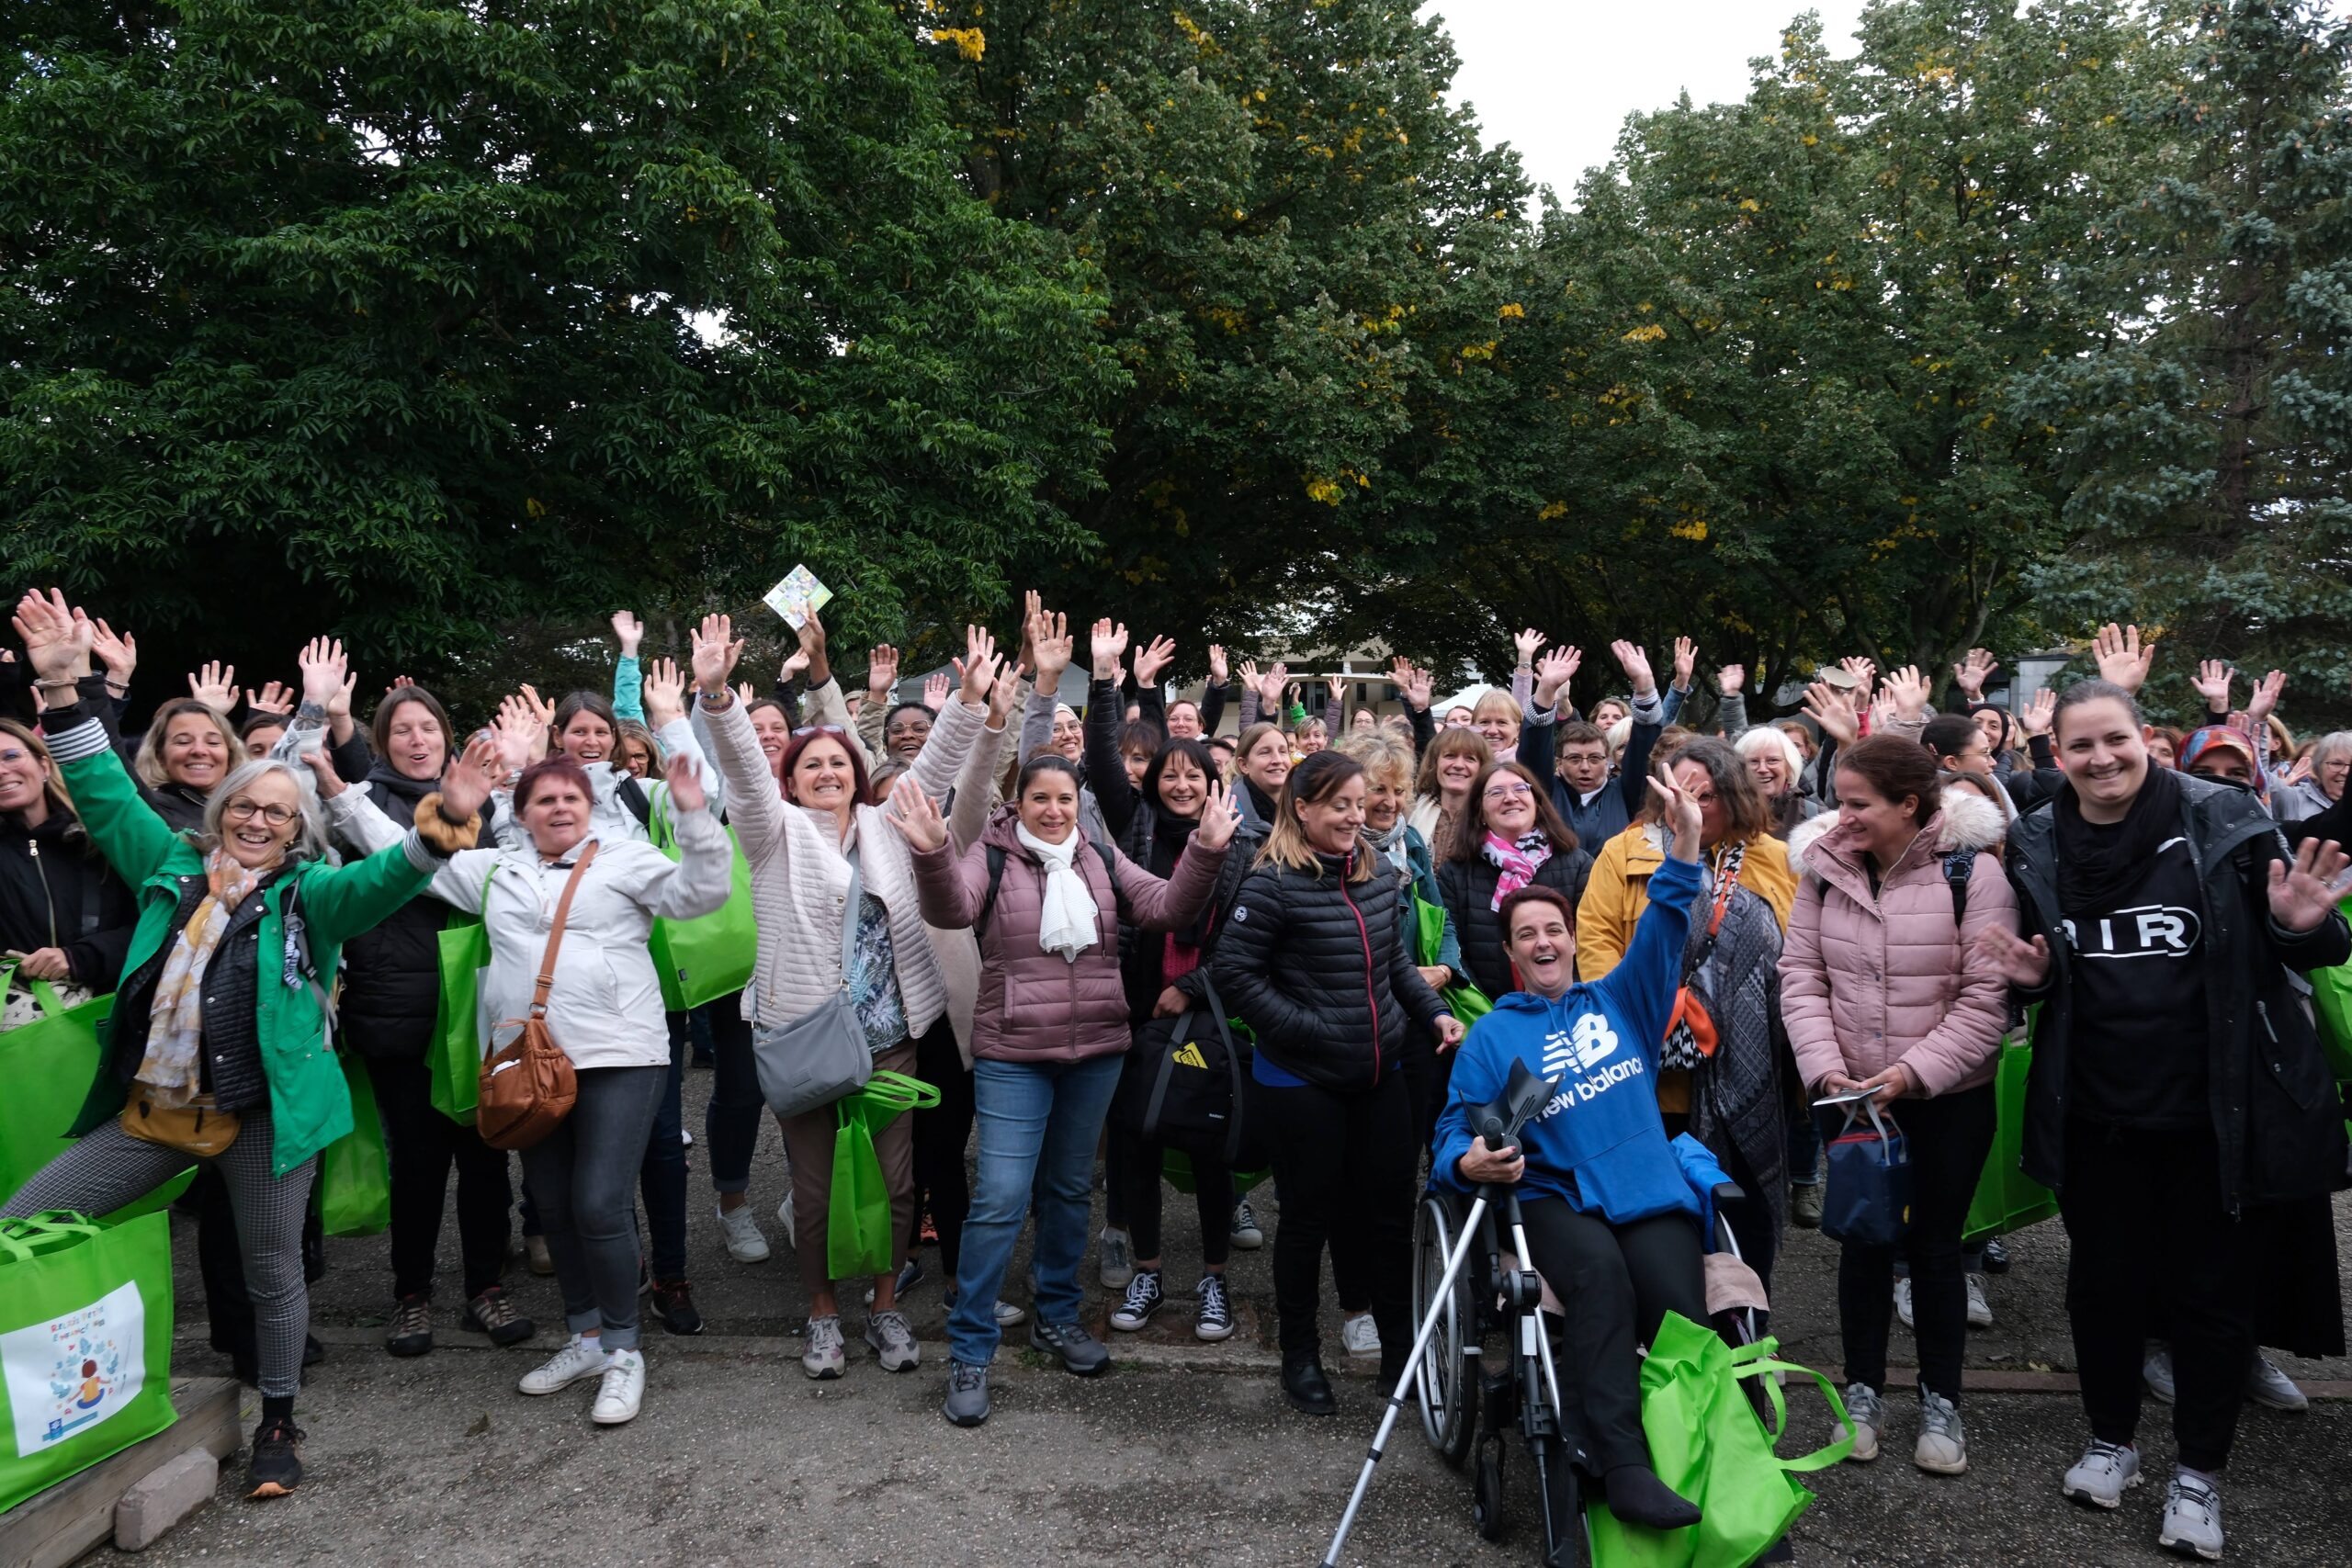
1039 1123
580 1175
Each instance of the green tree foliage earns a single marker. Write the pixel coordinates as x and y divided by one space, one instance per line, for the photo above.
414 321
2209 432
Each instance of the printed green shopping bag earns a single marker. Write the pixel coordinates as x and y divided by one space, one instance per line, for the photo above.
458 1026
85 1343
860 1240
49 1066
2006 1199
1706 1443
1464 1001
355 1171
709 957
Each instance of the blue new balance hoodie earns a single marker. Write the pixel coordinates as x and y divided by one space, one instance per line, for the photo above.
1603 1124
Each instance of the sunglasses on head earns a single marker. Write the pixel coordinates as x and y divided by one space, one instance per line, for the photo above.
819 729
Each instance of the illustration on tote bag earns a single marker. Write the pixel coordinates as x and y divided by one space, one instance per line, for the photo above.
73 1372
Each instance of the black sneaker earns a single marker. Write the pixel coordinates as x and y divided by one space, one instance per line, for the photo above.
675 1307
1216 1319
274 1469
410 1331
491 1313
1997 1256
1305 1385
1144 1298
1082 1354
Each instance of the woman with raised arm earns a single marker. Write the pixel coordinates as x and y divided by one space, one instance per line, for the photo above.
217 1024
2179 1105
61 905
806 846
1573 762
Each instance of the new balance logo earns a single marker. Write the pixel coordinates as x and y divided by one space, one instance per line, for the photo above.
1189 1056
1584 1047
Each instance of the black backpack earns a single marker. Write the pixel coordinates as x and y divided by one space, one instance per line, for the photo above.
1186 1085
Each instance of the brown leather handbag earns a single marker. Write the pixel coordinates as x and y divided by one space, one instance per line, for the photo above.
527 1086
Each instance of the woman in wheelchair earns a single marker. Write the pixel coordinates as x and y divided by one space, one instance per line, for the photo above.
1611 1218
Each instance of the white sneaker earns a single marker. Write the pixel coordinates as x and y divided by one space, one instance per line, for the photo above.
893 1339
824 1358
2265 1384
622 1390
580 1358
1359 1335
1941 1449
1010 1315
1865 1413
1118 1260
2156 1370
742 1233
2102 1475
1902 1300
784 1218
1980 1311
2192 1524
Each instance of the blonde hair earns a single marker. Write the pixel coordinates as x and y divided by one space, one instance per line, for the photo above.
1502 704
1246 742
1382 757
58 795
150 766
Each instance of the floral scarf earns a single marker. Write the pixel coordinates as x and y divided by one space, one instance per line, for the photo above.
1516 864
176 1018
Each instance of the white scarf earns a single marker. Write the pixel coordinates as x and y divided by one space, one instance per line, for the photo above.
1067 923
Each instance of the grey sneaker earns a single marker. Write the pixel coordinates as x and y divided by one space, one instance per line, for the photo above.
1804 1205
2102 1475
2156 1370
2192 1524
1980 1311
1865 1414
1082 1354
1941 1450
2265 1384
824 1358
1118 1260
1903 1300
967 1395
1010 1314
893 1338
1245 1233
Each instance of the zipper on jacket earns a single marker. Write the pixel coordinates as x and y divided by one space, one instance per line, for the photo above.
32 848
1370 991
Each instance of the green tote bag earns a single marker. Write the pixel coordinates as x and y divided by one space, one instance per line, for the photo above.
710 956
860 1240
355 1171
457 1024
49 1066
86 1345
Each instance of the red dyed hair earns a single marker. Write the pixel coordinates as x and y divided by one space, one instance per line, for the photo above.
804 738
558 767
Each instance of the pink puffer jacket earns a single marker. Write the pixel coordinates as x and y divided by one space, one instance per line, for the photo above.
1867 981
1037 1005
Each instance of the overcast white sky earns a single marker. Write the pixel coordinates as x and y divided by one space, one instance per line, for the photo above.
1557 78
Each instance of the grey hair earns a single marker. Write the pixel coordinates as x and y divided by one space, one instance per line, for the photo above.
1771 738
311 823
2328 745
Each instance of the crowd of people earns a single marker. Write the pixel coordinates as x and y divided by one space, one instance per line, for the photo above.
998 895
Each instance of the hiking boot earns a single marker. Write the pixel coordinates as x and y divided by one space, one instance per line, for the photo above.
1118 1260
580 1358
491 1314
2102 1475
1214 1320
275 1468
742 1233
623 1390
1245 1233
893 1338
410 1331
824 1357
673 1303
1941 1449
1303 1384
967 1395
2192 1524
1145 1297
1082 1354
1865 1418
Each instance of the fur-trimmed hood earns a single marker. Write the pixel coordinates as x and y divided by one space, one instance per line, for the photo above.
1969 822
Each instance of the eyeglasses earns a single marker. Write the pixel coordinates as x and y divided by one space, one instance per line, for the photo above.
1499 793
11 757
246 810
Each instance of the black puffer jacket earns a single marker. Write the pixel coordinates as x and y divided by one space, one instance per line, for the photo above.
1468 889
1141 952
57 891
1318 965
392 975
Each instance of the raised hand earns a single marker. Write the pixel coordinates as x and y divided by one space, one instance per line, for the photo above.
1730 679
631 631
2304 893
2263 699
916 816
1002 697
2039 713
1219 817
215 686
2122 658
745 693
881 669
714 648
274 698
1552 673
1338 687
934 691
1416 683
119 654
1527 642
1907 689
2016 960
796 664
1865 673
1833 711
1107 643
665 693
1053 645
1270 689
1216 664
1680 812
540 708
1635 662
1883 712
522 734
57 642
1973 670
1250 679
685 784
466 782
323 667
978 666
2211 682
1686 661
1151 659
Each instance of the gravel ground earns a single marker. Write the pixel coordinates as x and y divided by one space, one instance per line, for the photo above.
1184 1448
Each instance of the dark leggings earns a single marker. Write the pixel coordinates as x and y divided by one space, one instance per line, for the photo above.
422 1145
1343 1161
943 1134
662 1174
2146 1220
1618 1282
731 1122
1212 1195
1949 1138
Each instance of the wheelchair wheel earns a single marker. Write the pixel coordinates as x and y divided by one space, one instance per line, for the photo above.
1486 1490
1447 1386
